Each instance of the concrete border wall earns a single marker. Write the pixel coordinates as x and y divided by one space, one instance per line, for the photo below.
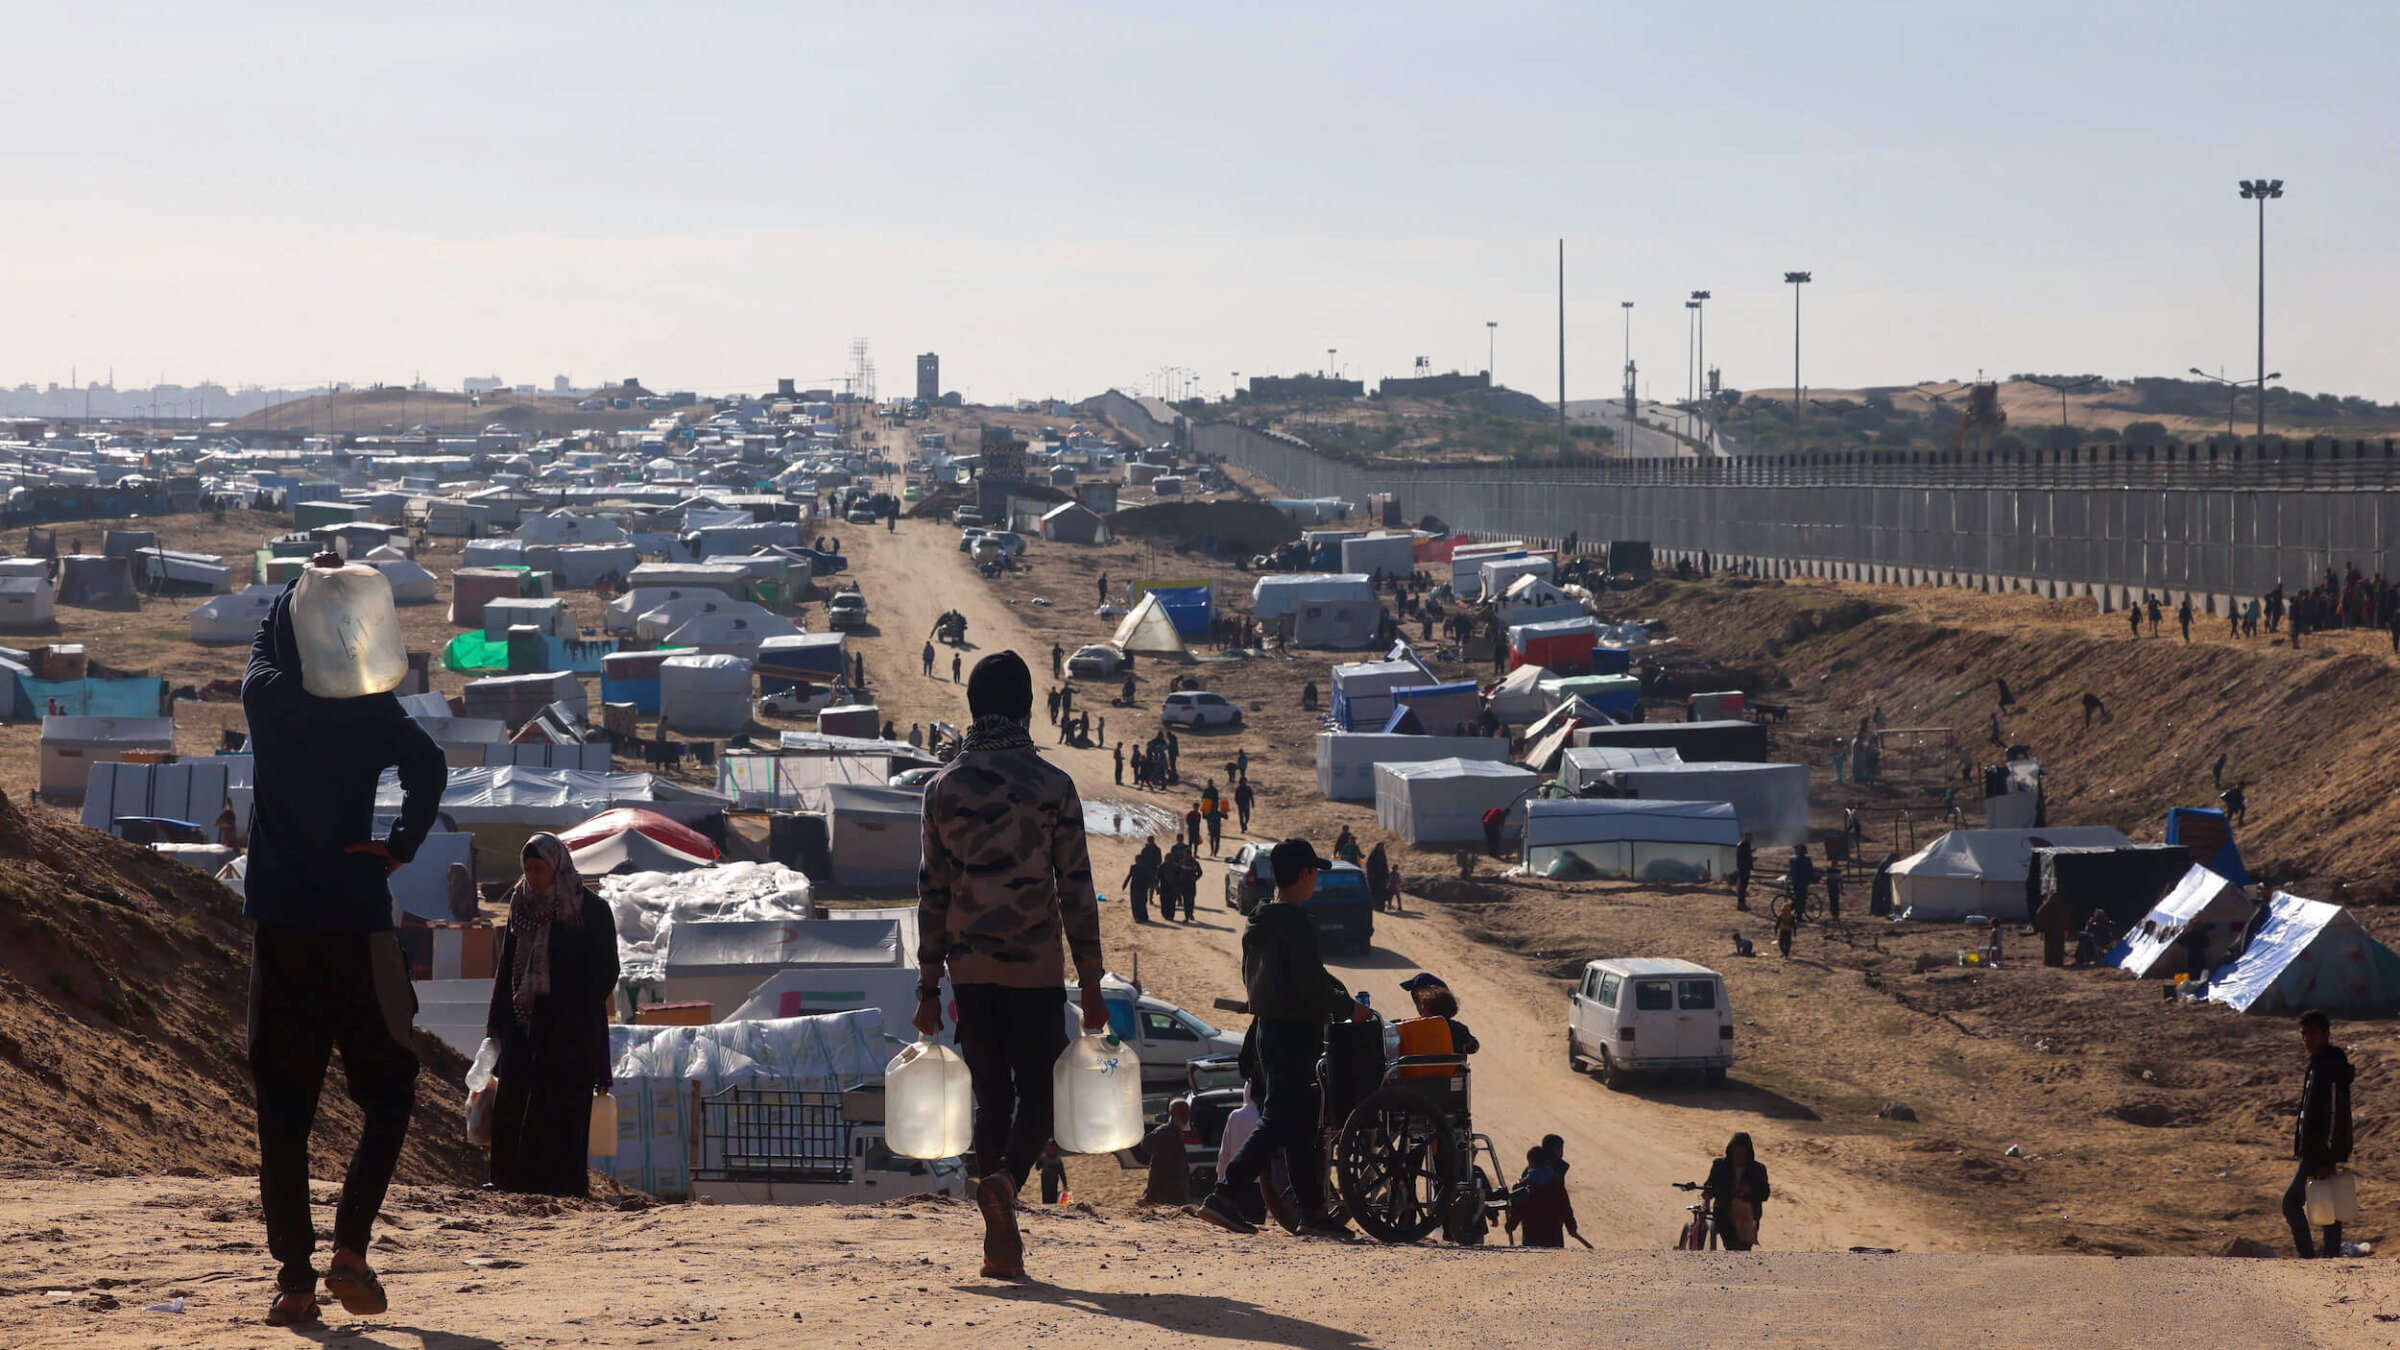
2109 522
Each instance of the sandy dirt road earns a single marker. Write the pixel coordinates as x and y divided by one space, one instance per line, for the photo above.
466 1271
1627 1149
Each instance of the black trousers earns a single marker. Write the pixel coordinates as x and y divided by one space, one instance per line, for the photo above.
311 993
2295 1213
1287 1116
1010 1038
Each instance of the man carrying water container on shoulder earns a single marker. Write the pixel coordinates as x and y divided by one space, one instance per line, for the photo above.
1006 874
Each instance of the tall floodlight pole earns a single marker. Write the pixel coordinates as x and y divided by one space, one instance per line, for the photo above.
1796 280
2260 190
1700 301
1628 373
1491 344
1691 369
1562 349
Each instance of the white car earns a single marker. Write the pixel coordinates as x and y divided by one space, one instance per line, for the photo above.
1648 1015
801 700
1010 542
1098 662
968 536
1199 708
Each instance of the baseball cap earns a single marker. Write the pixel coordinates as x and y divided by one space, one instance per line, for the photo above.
1423 979
1294 856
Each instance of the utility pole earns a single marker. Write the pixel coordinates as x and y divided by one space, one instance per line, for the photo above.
2260 190
1628 373
1796 280
1562 348
1491 345
1700 301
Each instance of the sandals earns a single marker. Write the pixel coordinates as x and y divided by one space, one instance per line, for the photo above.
279 1316
361 1294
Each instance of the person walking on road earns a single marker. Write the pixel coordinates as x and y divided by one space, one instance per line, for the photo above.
1291 996
1191 827
929 658
1737 1182
1006 876
1243 800
2237 804
2183 616
1120 763
549 1013
1539 1204
1214 818
1058 662
1800 872
2321 1137
955 661
1141 878
1745 857
1494 821
326 971
1379 875
2133 617
1787 923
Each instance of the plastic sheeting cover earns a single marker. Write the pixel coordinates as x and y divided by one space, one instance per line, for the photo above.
647 906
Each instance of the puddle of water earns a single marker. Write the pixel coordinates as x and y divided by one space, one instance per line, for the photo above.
1128 820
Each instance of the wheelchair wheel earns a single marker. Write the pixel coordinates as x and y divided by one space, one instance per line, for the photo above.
1395 1166
1276 1189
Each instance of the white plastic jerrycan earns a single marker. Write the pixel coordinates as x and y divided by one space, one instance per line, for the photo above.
1096 1093
928 1102
348 632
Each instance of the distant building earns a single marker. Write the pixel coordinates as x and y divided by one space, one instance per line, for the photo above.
1286 388
484 384
929 378
1433 386
560 384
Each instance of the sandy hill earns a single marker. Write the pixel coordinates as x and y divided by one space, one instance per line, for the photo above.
367 412
124 980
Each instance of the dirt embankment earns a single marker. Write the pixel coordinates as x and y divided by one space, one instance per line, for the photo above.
1234 527
124 981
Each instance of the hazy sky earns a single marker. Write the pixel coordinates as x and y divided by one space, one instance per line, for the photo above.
1058 198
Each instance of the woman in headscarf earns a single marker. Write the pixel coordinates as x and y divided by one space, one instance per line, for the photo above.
550 1005
1738 1183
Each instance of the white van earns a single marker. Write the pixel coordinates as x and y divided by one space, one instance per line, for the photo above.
1647 1014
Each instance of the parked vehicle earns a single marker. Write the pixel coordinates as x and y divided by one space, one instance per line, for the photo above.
1163 1037
1009 542
1249 878
823 562
1199 708
913 779
1648 1015
1212 1092
1097 662
863 514
966 515
846 611
800 700
968 536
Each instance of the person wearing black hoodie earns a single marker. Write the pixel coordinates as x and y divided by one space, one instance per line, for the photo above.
326 971
2321 1137
1292 996
1738 1183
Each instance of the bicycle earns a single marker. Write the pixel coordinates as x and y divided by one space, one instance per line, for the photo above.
1700 1234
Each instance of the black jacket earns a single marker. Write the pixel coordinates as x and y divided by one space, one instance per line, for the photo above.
314 769
2321 1137
1286 978
1723 1179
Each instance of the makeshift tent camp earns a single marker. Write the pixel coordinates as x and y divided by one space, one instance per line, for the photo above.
411 584
2124 883
1498 574
730 634
1191 604
876 835
1393 555
1346 760
167 572
472 587
2200 899
1981 873
1585 767
812 658
660 624
1564 645
647 907
632 677
1594 838
505 805
27 602
2309 954
720 962
632 851
625 612
492 553
1554 732
194 790
1693 740
25 567
1441 707
422 885
550 616
609 824
1533 600
1362 692
1770 800
1518 698
729 581
70 746
1319 611
88 581
581 566
2209 837
565 527
1149 631
517 699
705 696
1443 801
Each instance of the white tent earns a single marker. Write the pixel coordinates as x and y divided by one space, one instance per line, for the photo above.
2309 954
1346 760
384 553
630 850
1982 872
70 746
1326 610
1394 555
706 696
1362 691
1501 573
1518 699
1587 838
674 614
411 583
90 581
624 613
492 553
550 615
721 634
1547 738
1770 800
27 602
1149 631
1584 766
2202 897
721 962
876 835
565 527
1442 801
580 566
1532 599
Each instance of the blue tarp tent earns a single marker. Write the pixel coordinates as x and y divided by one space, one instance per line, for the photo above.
91 698
1442 705
1403 722
1612 661
1189 606
2206 832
